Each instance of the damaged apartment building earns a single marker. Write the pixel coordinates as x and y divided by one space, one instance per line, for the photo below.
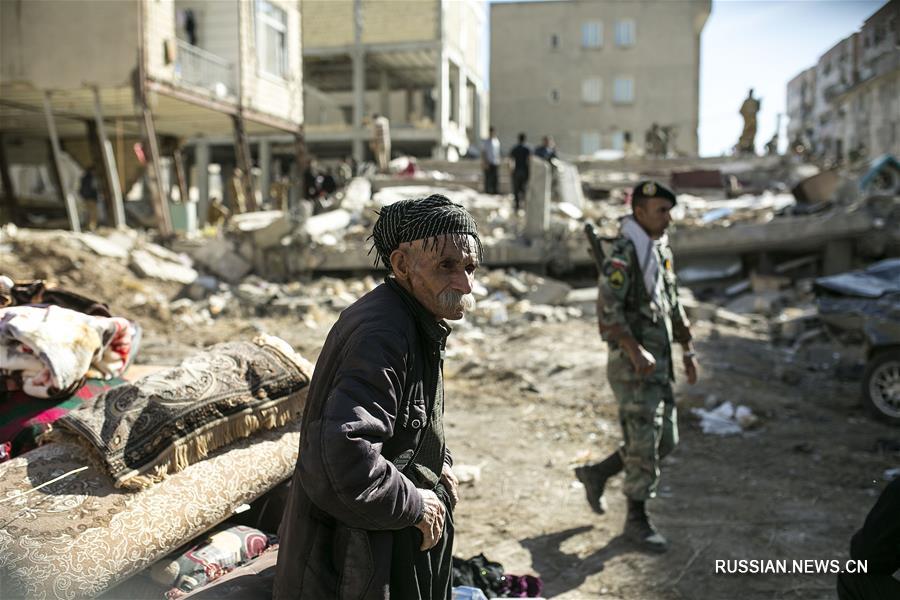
847 106
167 92
420 64
591 73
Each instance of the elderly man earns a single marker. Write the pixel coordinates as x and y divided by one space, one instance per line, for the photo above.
639 316
373 491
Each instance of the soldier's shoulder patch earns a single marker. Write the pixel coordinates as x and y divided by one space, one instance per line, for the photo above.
617 279
668 264
617 263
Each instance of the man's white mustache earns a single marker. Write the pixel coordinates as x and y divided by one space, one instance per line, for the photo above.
453 300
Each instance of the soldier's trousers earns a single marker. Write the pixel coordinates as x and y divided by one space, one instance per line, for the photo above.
649 430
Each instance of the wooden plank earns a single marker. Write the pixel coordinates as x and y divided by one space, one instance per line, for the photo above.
108 163
56 152
154 179
244 163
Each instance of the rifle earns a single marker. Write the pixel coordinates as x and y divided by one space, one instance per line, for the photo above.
595 244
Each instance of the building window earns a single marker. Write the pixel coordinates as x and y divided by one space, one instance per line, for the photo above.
592 90
271 38
592 34
618 140
554 42
590 142
554 96
623 90
625 33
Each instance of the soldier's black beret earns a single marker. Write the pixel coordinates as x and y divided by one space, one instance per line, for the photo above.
652 189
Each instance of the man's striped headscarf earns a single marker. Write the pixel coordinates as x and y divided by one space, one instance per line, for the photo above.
422 219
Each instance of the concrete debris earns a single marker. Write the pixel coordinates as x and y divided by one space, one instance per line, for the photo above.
548 292
818 189
104 246
266 228
149 264
219 258
318 226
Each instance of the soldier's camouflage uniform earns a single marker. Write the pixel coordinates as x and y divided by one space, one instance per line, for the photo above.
646 405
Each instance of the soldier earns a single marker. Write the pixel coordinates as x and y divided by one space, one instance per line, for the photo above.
639 315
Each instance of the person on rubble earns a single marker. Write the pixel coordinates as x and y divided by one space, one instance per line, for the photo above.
639 316
521 157
373 492
89 192
547 149
381 141
490 162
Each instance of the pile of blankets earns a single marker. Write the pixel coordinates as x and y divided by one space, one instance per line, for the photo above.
57 349
48 351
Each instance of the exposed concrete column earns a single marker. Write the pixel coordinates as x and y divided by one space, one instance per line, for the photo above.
265 167
201 169
537 200
358 56
441 102
384 90
410 105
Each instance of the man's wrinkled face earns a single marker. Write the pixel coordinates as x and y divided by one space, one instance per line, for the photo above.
654 215
440 273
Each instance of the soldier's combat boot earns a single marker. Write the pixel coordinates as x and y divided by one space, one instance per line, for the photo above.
640 530
594 478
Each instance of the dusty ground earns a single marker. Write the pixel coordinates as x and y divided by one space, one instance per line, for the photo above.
528 400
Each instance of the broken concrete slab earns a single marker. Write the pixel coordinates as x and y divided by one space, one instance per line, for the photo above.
550 292
817 189
568 184
103 246
220 259
318 225
357 195
764 303
147 264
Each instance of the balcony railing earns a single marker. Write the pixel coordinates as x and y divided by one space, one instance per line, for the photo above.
195 66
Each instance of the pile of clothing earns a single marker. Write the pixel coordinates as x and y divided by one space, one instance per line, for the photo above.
488 576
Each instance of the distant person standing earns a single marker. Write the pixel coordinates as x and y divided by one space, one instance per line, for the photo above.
547 149
381 141
87 189
521 156
490 162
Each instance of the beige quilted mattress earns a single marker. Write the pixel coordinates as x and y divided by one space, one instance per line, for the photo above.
80 535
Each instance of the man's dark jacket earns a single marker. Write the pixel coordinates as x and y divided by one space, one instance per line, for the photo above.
366 410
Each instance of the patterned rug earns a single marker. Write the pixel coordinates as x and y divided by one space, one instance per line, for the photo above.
168 420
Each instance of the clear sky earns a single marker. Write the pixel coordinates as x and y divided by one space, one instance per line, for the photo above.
762 44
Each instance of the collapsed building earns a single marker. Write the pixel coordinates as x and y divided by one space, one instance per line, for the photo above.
417 63
128 87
